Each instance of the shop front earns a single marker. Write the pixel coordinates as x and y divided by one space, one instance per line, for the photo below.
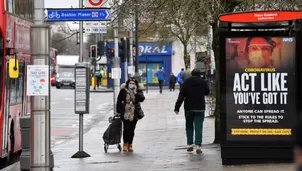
153 56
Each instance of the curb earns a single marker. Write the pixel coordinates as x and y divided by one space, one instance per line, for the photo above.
10 167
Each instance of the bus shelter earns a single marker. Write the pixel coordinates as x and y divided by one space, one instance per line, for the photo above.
260 80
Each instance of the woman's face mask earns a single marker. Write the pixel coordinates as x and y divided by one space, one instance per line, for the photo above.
131 86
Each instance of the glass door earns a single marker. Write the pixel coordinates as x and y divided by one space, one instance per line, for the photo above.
152 70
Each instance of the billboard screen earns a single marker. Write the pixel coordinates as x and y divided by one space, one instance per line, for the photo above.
260 88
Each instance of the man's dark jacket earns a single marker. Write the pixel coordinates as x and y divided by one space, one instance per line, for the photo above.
193 92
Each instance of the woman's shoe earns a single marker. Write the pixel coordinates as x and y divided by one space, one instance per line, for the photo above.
130 149
190 148
125 148
198 150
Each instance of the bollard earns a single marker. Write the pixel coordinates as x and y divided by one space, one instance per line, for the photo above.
25 123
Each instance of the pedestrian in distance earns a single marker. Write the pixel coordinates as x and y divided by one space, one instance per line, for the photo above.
186 74
193 92
128 105
179 77
98 78
172 82
161 78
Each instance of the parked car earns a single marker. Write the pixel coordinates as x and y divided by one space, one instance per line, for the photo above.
65 79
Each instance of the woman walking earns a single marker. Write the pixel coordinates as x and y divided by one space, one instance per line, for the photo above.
128 106
172 82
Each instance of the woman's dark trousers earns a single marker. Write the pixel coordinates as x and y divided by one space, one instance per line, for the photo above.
128 133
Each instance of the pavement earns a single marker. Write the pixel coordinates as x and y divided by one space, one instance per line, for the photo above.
101 89
65 122
159 145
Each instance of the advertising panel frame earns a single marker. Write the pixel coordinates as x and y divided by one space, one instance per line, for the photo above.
233 152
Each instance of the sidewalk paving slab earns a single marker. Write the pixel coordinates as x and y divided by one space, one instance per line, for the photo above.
159 145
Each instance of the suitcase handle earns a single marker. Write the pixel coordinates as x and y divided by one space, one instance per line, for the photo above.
114 117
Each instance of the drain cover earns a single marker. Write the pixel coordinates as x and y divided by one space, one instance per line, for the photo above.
105 162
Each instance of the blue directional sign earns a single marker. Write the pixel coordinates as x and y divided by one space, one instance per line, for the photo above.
78 14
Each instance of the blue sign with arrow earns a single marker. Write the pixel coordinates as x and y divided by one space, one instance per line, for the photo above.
79 14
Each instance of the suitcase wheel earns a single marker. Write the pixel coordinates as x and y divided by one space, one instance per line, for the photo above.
119 147
105 148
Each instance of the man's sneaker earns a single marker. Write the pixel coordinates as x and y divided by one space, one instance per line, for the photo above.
190 148
198 150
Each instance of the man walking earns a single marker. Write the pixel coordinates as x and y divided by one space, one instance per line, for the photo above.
193 92
161 78
98 78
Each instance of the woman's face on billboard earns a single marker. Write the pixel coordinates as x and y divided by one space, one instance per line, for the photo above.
259 52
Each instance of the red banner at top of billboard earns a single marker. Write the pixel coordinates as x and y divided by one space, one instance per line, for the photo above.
261 16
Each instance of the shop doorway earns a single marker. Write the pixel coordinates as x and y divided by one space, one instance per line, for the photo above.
148 71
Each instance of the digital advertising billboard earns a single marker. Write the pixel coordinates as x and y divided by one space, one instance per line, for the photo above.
259 88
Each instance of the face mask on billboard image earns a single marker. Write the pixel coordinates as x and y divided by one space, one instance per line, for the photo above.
256 59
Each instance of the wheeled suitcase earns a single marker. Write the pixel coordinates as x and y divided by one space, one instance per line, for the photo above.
113 134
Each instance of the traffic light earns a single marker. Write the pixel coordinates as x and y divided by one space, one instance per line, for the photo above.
93 51
110 52
122 47
100 48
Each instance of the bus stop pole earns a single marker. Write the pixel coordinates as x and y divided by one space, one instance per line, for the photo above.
81 116
40 111
81 153
116 60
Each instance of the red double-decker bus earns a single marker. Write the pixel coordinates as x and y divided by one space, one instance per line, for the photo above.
53 62
15 20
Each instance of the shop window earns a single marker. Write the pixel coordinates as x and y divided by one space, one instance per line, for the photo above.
142 70
148 72
20 85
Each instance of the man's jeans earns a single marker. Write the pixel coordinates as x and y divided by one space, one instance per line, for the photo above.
194 119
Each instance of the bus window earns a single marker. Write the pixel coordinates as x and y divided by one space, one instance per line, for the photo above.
13 94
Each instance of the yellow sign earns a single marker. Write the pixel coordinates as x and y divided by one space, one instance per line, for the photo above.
13 66
261 131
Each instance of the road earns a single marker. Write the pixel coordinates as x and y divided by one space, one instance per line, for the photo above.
65 123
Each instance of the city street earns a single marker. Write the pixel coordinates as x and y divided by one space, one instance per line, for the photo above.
159 143
65 123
